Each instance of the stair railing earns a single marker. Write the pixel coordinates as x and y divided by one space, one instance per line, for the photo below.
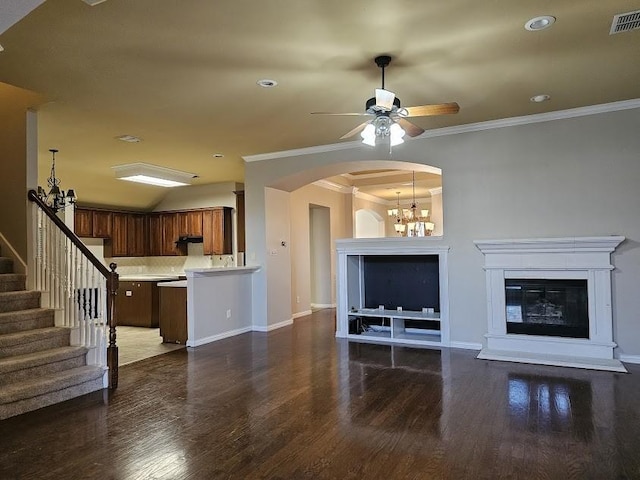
78 286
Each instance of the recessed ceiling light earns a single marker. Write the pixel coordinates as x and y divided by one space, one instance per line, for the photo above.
93 3
129 139
539 23
218 155
1 48
153 175
267 83
540 98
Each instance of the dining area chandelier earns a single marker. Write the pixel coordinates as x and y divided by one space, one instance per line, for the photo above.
412 221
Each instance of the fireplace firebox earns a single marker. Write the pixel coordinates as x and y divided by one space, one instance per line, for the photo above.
548 307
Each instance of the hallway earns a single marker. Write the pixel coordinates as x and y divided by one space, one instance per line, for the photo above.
297 403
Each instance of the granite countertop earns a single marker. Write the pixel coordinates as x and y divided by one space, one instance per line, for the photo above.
176 284
145 277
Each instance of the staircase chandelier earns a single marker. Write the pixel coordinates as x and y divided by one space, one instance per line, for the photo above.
56 199
411 222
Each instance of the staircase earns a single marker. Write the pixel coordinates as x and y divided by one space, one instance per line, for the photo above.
38 366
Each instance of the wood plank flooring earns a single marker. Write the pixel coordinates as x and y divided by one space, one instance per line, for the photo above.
298 404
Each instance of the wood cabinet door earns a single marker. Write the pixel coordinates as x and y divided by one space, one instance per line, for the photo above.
102 224
119 235
217 237
190 223
137 233
137 304
170 229
155 235
83 222
240 220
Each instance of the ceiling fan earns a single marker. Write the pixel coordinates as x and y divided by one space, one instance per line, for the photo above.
389 117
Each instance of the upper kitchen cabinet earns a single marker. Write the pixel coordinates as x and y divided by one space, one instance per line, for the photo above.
155 235
240 219
128 235
102 224
83 222
217 231
92 223
190 223
170 234
138 232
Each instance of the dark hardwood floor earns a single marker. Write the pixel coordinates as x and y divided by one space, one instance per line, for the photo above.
297 403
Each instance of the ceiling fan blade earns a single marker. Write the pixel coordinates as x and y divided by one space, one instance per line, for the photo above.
332 113
358 129
384 98
425 110
409 128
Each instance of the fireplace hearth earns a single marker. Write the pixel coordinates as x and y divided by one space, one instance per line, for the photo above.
549 301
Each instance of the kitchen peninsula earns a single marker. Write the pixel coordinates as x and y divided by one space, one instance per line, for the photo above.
219 302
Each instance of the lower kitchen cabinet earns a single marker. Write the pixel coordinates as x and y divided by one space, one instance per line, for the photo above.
137 304
173 314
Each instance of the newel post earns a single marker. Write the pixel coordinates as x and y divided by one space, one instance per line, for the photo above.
112 349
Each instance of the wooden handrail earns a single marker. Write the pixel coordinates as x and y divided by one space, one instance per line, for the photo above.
33 196
108 273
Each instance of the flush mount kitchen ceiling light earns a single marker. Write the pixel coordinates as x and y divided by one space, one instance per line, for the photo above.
153 175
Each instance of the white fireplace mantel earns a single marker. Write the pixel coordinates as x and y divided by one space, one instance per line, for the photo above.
552 258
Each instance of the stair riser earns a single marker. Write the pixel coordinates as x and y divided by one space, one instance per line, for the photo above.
54 341
41 320
42 370
15 303
12 285
34 403
6 265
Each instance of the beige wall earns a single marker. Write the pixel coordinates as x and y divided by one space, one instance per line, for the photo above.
14 139
339 215
360 203
567 177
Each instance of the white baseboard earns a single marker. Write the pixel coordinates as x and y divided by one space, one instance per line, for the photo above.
629 358
275 326
323 305
466 345
302 314
220 336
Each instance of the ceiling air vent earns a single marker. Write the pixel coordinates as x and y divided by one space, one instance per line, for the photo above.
625 22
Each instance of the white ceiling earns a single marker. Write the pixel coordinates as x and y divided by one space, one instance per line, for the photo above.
182 75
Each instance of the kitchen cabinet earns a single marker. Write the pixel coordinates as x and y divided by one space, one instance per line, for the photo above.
240 219
83 222
137 304
128 235
137 231
117 246
173 313
190 223
102 221
170 233
90 223
217 231
155 235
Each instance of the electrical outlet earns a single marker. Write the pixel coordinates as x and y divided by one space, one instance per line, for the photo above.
298 299
229 313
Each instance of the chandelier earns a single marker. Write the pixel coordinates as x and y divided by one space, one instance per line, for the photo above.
56 199
411 222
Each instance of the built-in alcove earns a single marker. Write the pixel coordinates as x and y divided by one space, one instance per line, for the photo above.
392 291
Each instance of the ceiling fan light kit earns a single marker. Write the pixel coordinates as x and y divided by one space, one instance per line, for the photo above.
389 117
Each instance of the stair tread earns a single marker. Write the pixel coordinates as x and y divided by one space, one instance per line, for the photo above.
31 335
50 383
17 362
25 312
18 293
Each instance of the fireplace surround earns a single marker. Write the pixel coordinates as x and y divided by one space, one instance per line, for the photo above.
544 265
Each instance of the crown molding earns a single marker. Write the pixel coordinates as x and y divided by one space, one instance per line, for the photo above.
371 198
435 191
471 127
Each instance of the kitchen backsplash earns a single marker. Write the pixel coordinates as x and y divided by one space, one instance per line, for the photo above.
169 265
